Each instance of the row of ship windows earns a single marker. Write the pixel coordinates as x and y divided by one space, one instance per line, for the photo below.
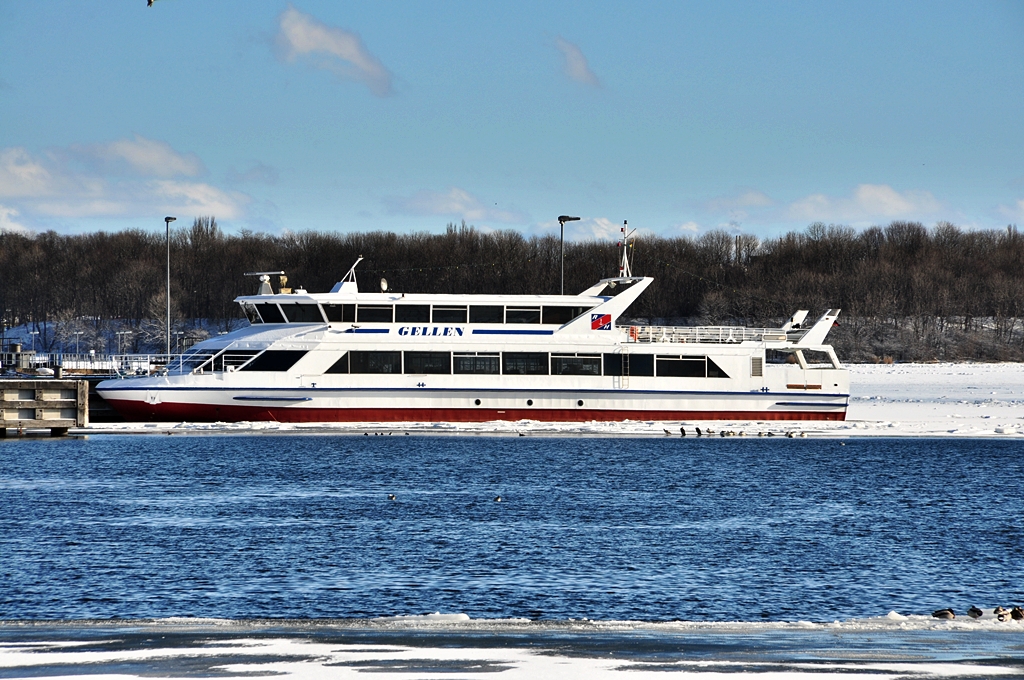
466 363
269 312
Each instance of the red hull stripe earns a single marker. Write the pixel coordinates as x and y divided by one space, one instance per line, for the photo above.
168 411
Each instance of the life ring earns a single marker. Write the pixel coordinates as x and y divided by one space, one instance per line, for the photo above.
634 333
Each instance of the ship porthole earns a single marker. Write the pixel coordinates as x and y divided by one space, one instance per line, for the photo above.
579 403
529 402
477 402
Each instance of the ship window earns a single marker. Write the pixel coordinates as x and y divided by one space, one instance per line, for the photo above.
303 313
428 362
568 364
269 312
449 314
524 363
250 312
375 314
339 366
486 314
375 362
485 364
714 371
275 360
412 313
613 364
522 315
641 365
560 315
682 367
340 313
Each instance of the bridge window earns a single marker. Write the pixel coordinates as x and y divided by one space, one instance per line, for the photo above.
375 314
340 313
269 312
439 363
275 360
375 362
524 363
483 364
302 313
522 315
446 314
412 313
486 314
575 364
250 312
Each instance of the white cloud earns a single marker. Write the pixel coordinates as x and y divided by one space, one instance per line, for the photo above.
22 175
456 203
751 198
140 156
1013 212
869 201
46 185
690 226
7 222
576 66
332 49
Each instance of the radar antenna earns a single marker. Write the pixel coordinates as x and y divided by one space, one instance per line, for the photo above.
265 288
626 241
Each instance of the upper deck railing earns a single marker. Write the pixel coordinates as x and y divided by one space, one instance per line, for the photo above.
704 334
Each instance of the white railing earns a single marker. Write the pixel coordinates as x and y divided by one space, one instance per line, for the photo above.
703 334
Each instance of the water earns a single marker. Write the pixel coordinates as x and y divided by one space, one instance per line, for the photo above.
646 529
274 532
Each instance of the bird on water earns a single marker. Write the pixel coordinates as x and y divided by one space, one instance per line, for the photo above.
1017 614
946 613
974 613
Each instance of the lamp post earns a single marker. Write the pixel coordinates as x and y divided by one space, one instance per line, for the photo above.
562 219
120 335
167 223
33 334
78 336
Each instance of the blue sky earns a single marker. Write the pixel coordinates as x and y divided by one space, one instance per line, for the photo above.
680 117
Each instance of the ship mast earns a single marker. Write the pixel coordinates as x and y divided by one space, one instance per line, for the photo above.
626 245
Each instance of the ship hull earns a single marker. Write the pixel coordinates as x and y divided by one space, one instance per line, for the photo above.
299 406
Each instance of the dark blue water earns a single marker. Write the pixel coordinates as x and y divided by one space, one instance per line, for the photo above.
639 529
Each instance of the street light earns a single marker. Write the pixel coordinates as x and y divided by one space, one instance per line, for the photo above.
167 223
119 334
562 219
78 336
33 334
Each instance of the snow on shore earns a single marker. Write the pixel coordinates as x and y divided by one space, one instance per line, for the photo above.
918 400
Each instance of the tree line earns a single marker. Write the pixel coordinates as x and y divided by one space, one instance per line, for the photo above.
907 291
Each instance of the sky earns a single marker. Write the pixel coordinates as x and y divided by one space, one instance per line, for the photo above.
680 117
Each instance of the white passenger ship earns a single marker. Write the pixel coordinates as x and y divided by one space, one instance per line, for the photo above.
347 355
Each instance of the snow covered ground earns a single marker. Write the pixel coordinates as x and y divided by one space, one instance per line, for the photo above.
918 400
433 646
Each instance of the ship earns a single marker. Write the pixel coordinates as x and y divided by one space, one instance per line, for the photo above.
353 356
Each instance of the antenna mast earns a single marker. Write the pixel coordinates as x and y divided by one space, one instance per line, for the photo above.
626 244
